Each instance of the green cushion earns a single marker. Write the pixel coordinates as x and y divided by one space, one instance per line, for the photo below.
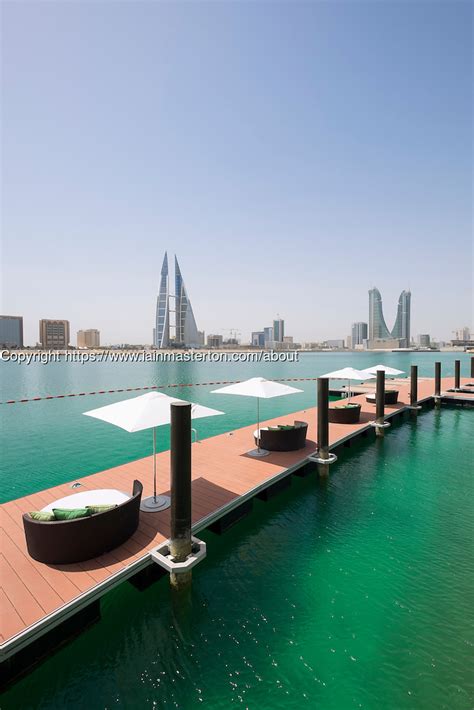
286 426
70 513
42 515
94 509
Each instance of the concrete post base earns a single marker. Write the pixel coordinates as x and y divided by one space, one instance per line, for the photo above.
181 581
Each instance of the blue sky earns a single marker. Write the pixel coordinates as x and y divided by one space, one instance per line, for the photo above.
293 155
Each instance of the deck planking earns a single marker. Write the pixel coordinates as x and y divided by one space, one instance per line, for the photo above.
32 593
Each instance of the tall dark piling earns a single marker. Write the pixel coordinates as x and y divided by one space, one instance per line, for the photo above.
437 391
323 424
414 389
472 366
180 540
457 374
380 403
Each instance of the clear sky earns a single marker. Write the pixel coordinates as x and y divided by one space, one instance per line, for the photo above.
293 155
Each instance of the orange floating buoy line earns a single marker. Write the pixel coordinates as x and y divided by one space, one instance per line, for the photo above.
149 387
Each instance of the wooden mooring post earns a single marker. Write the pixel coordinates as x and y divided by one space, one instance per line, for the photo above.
380 403
180 540
457 374
414 406
472 366
437 392
323 424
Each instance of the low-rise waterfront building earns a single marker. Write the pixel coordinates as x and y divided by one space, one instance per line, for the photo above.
258 339
214 341
424 340
88 338
11 331
54 334
336 343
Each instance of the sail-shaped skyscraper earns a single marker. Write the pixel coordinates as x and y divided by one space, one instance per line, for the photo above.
186 329
184 325
162 320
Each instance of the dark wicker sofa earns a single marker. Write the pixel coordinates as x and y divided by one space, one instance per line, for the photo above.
284 439
391 397
67 541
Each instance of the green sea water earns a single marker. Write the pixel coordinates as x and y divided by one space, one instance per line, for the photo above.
49 442
351 593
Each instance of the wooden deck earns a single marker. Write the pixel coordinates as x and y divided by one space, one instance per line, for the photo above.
35 597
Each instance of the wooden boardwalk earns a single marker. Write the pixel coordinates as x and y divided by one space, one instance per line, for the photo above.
34 597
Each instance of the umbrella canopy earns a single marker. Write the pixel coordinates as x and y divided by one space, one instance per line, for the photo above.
388 370
147 412
349 373
260 388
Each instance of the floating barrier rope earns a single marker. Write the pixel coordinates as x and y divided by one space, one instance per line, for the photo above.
151 387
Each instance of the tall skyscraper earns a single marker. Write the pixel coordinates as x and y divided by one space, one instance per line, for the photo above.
358 333
54 334
161 332
11 331
186 332
401 329
278 330
378 328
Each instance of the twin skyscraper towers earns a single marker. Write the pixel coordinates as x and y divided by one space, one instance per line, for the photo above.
174 327
378 328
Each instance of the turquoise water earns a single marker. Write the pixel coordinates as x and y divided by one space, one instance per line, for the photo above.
355 593
49 442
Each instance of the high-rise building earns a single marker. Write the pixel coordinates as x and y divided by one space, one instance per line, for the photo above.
268 336
424 340
11 331
186 332
88 338
278 330
161 332
54 334
358 333
378 328
401 329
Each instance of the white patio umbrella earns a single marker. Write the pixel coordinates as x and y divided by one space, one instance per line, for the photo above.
349 374
388 370
260 388
147 412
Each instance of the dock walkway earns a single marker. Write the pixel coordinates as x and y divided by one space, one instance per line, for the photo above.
34 597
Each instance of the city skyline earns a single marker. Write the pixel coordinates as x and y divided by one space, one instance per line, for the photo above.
271 191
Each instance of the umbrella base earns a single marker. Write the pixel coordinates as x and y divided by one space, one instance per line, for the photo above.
258 452
152 505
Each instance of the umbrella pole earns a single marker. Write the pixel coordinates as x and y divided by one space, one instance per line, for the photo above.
258 424
154 464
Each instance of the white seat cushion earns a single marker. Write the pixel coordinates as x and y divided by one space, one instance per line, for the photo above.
103 496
